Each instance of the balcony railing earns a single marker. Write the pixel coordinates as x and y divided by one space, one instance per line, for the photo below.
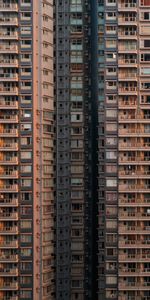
126 48
8 146
127 61
127 34
8 104
8 20
8 90
8 258
9 160
8 132
134 187
8 244
8 202
127 19
134 215
8 272
9 6
139 159
8 76
8 118
126 89
8 173
8 188
133 202
9 48
134 285
9 216
127 5
134 257
8 34
133 272
8 286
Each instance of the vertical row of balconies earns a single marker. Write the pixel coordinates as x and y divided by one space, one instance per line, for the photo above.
133 173
8 150
77 151
63 148
107 84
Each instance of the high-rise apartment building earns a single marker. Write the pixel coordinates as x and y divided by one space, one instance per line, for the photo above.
124 149
74 150
26 150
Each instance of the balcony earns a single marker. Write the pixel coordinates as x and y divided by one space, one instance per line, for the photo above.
8 48
8 118
133 117
8 160
134 172
12 286
8 258
133 202
8 104
134 132
7 188
133 272
127 6
8 77
7 21
127 62
136 159
8 272
127 35
127 20
127 76
7 173
8 90
123 48
8 146
138 188
6 216
8 202
134 216
8 132
8 62
8 7
127 103
134 257
134 230
134 244
132 286
8 244
134 146
8 35
130 90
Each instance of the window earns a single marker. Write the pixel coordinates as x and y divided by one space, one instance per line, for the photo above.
26 224
26 141
112 141
26 182
111 154
26 168
111 182
26 154
111 127
25 238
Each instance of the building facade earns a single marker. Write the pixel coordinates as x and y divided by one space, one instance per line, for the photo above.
124 149
26 150
74 150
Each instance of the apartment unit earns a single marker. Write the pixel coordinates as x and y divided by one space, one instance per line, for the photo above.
74 131
26 150
124 149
